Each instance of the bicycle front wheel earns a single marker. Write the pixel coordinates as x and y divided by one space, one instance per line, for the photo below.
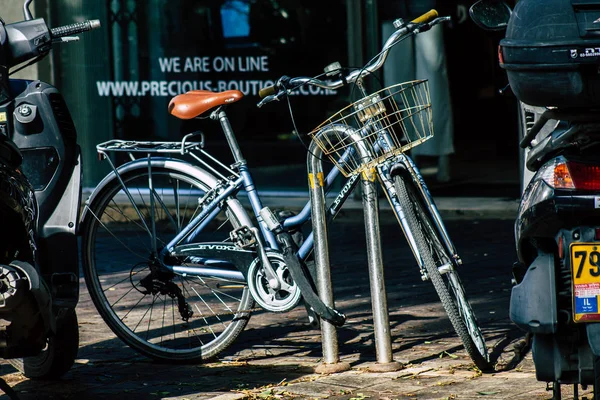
161 315
441 273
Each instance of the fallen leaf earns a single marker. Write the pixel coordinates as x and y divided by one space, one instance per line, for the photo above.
454 357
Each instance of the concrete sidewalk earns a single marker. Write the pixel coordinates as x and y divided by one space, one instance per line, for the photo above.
275 357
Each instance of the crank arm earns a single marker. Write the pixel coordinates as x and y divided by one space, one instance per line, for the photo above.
301 277
274 282
299 273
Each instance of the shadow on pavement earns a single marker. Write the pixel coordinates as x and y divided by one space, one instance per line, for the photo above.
278 348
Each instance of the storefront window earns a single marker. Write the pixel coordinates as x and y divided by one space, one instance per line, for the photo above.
161 48
235 18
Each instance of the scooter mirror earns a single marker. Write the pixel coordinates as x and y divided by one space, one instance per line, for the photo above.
491 15
26 12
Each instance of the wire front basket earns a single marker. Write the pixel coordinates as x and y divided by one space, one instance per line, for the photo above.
377 127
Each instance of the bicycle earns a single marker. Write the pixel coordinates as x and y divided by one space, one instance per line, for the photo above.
199 261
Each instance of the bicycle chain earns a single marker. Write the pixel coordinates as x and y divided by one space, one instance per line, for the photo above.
240 312
249 311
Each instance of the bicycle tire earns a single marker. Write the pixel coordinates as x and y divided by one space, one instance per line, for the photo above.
448 285
115 245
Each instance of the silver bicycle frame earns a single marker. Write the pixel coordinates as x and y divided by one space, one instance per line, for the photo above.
385 173
222 189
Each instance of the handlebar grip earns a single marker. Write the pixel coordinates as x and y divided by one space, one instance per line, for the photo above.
74 29
428 16
266 91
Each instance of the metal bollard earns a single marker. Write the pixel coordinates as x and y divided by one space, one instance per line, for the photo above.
381 324
331 361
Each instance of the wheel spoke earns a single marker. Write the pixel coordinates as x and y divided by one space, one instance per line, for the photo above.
98 220
119 230
123 296
216 294
132 308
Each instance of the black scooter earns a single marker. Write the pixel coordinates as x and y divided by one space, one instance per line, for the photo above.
40 194
553 71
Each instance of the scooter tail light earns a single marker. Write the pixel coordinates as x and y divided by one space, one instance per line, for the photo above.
597 234
572 175
585 176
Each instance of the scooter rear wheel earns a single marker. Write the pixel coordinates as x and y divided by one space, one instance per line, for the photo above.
58 356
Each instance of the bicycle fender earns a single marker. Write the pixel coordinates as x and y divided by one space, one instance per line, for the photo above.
159 162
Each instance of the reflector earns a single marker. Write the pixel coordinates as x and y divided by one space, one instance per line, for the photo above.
500 55
561 247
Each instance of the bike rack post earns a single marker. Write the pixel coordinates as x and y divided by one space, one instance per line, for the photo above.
331 360
331 364
381 324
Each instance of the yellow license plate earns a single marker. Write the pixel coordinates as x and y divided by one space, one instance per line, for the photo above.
585 266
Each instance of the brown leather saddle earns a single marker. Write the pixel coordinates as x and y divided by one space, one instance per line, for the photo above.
196 102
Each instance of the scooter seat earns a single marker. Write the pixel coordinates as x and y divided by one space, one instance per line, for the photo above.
196 102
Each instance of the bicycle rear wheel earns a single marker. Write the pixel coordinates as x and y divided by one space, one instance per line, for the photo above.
441 273
162 315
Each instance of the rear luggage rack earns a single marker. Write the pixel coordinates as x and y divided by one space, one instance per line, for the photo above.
134 146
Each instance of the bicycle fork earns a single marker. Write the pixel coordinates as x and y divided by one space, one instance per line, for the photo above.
403 165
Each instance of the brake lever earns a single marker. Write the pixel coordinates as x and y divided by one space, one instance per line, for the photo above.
266 100
273 97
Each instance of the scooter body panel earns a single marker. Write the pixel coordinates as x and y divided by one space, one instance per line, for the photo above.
533 305
46 136
549 221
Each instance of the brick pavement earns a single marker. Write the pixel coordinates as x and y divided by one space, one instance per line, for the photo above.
275 356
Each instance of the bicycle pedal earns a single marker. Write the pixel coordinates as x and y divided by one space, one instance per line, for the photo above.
243 237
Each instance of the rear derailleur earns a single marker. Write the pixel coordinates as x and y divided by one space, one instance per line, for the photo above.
155 284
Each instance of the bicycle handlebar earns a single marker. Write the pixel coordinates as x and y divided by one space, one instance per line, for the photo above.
74 29
428 16
267 91
283 84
